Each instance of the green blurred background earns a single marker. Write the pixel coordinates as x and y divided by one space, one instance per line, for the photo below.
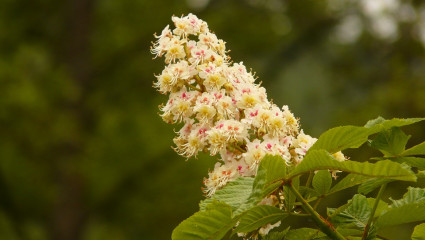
83 153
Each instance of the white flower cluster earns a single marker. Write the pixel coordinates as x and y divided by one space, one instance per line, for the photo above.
222 109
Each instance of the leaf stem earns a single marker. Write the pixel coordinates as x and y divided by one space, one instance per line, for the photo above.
375 206
317 203
309 179
324 225
299 214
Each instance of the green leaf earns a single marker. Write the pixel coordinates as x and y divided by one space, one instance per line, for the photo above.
407 213
276 235
304 234
289 196
349 181
410 208
415 150
269 174
275 167
332 212
382 206
259 216
349 232
307 192
419 232
390 142
320 160
340 138
395 122
411 161
357 212
211 224
234 193
372 184
322 182
412 195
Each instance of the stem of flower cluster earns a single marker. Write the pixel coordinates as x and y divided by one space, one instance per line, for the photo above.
325 226
199 81
193 87
375 206
239 148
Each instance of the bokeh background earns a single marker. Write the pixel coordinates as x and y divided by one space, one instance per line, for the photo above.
83 153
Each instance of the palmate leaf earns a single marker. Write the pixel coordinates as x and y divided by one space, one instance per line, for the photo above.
412 195
410 208
259 216
234 193
322 181
390 142
419 232
211 224
357 211
320 160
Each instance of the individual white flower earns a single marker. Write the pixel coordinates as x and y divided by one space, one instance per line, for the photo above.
302 143
204 108
225 106
183 134
208 39
214 81
200 54
212 75
246 96
238 74
217 140
196 141
226 132
174 73
291 122
160 46
272 146
234 130
220 176
175 51
254 154
179 107
261 120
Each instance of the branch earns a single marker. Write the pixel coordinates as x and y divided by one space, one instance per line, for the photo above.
375 205
325 226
